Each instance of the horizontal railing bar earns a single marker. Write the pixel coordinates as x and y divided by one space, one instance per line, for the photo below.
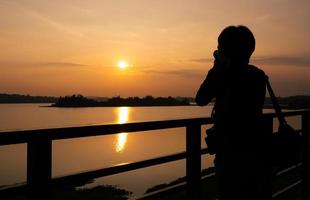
288 113
89 175
62 180
208 176
286 188
23 136
13 189
19 188
85 176
15 137
181 186
284 171
163 192
170 189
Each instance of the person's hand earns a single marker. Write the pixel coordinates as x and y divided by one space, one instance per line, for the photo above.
221 63
216 63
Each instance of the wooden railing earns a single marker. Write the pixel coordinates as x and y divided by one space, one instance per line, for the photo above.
39 155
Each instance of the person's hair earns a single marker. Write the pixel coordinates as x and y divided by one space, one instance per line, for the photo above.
237 42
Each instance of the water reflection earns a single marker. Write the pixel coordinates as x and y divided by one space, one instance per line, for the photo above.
123 115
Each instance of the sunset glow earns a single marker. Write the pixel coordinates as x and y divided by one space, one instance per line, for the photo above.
123 114
89 47
122 64
97 89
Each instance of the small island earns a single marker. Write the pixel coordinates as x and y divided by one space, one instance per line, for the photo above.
290 102
81 101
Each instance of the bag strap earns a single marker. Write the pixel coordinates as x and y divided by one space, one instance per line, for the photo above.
275 103
213 112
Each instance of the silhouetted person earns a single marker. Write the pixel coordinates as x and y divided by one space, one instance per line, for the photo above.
241 161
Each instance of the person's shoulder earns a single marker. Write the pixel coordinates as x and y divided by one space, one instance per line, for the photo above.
258 72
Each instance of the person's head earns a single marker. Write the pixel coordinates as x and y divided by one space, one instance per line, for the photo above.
236 43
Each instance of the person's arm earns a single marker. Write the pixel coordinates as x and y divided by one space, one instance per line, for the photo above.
207 89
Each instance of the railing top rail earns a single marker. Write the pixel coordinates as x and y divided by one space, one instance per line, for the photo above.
23 136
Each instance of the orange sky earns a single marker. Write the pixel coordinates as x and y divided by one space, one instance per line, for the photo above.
73 46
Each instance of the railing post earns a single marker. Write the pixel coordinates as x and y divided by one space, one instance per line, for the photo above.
193 160
268 130
39 172
306 156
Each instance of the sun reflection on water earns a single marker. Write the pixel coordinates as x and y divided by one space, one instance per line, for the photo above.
123 114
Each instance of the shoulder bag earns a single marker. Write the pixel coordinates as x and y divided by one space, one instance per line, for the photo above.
286 144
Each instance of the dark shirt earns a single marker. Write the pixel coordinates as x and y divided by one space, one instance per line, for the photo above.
239 94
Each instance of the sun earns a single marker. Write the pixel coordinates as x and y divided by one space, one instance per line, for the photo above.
122 64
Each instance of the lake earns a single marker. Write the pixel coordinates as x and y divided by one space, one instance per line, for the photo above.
75 155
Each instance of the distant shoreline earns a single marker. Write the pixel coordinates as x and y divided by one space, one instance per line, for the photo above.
76 101
81 101
117 106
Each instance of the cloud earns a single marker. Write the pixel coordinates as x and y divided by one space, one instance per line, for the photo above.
298 61
47 20
27 64
61 64
202 60
181 72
